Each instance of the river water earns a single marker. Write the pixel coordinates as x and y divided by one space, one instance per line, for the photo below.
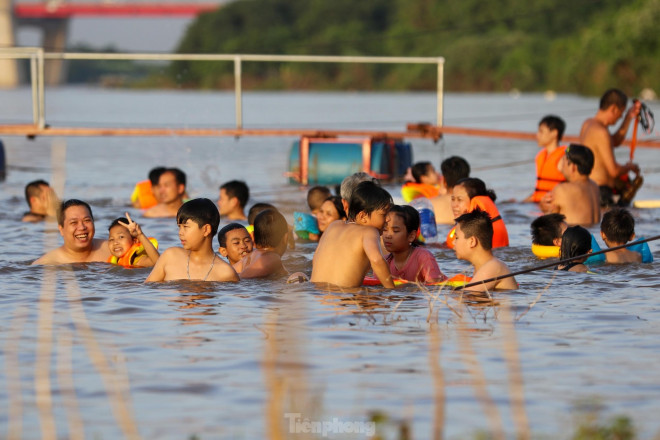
92 352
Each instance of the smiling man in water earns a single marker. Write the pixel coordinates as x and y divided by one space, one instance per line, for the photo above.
76 225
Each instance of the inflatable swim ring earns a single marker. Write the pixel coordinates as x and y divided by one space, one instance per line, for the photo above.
455 281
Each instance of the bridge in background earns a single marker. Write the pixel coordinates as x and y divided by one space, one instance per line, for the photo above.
52 17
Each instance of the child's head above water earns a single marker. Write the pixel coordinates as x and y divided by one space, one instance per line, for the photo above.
256 209
235 242
401 229
424 172
453 169
271 230
200 211
575 241
367 201
548 229
465 190
581 156
551 129
476 224
316 196
617 227
119 237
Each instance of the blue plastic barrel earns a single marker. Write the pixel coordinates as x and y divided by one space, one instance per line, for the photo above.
331 161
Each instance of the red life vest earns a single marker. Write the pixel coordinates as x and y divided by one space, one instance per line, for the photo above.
500 234
143 194
412 190
135 251
547 174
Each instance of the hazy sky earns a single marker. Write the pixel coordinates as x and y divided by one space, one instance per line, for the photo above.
131 34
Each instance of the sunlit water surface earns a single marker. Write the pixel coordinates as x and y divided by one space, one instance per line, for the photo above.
178 359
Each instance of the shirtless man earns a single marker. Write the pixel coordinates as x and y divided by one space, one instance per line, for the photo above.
595 135
453 169
474 237
76 225
169 192
347 250
42 200
578 199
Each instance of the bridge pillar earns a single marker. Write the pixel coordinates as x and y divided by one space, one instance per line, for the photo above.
8 68
54 40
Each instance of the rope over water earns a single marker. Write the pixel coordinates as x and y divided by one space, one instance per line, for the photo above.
555 263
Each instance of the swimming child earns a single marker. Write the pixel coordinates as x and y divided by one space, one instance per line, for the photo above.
551 129
198 221
407 259
469 194
453 169
235 242
232 199
425 184
574 242
618 228
270 242
315 198
129 246
474 243
347 250
331 210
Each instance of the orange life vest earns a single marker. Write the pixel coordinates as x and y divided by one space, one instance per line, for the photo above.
132 254
547 174
143 195
413 190
500 234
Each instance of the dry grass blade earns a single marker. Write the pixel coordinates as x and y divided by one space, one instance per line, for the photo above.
516 382
538 297
435 347
42 385
67 387
480 383
13 372
274 383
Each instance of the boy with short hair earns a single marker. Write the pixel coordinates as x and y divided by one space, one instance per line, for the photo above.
425 184
618 228
234 195
549 134
578 198
235 242
42 200
129 246
270 242
347 250
315 198
474 242
453 169
198 221
548 229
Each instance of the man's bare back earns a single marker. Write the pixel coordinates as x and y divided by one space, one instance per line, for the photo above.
345 253
442 209
578 201
595 135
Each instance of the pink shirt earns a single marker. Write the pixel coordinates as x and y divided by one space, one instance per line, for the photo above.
421 266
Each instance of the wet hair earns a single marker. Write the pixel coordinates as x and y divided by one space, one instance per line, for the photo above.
33 189
476 187
410 218
368 197
477 224
68 204
116 221
618 225
316 196
546 228
336 200
238 189
256 209
222 234
554 123
613 97
201 211
179 175
581 156
453 169
420 169
269 228
155 173
575 241
351 182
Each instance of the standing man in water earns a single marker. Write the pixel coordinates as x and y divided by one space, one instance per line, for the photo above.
595 135
169 192
76 225
42 200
